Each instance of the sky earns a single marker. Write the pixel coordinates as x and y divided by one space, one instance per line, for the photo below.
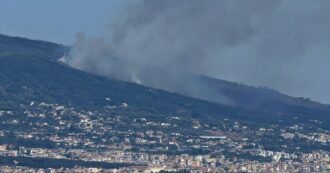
284 45
56 20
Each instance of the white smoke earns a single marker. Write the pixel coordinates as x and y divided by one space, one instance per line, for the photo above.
279 44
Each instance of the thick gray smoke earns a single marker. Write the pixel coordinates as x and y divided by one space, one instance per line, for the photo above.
280 44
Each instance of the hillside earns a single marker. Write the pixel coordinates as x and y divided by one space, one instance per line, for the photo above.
28 73
55 116
23 80
15 46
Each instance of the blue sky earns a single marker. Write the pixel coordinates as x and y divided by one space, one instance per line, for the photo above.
56 20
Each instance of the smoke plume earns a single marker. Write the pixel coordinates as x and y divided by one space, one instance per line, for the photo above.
284 45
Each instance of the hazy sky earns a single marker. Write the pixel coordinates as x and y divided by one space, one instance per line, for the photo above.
56 20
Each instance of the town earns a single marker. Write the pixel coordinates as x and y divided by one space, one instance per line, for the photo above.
115 139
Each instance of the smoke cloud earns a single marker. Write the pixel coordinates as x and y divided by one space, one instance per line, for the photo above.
284 45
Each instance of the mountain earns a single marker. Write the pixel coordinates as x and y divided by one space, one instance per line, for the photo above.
16 46
27 77
55 117
29 71
230 93
260 98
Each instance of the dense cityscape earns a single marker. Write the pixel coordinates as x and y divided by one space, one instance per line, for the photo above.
113 140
